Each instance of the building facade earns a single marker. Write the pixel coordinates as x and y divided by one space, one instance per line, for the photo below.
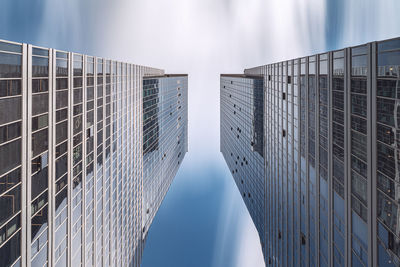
242 140
71 158
165 138
332 157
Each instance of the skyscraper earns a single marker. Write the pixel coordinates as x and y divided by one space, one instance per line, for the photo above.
71 158
165 137
331 156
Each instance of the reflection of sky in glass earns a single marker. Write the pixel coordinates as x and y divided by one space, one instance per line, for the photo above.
203 221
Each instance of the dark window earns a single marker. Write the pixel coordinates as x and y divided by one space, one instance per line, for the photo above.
77 124
359 145
338 116
338 84
338 134
388 88
385 134
386 161
40 85
61 131
10 131
10 204
61 84
78 109
387 211
359 166
39 182
40 67
10 88
61 67
9 180
77 96
39 122
39 223
61 99
359 105
40 103
359 86
61 149
338 170
338 100
77 82
89 93
359 124
61 166
61 114
10 65
386 185
10 155
11 250
385 111
10 109
39 142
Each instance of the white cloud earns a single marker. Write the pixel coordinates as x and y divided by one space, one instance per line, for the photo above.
249 252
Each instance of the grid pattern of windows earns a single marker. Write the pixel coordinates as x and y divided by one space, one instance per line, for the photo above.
164 138
242 109
11 159
331 157
71 150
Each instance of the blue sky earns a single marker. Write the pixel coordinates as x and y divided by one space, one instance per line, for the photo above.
202 221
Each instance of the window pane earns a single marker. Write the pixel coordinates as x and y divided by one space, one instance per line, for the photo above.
10 155
10 109
10 65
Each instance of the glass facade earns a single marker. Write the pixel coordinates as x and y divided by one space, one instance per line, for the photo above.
242 140
331 157
71 156
165 117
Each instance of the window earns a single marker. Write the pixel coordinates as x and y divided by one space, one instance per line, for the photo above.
359 105
10 204
40 103
9 132
10 109
10 65
10 155
9 180
39 142
10 87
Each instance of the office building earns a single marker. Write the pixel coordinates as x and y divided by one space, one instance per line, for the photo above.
165 138
242 140
71 158
331 154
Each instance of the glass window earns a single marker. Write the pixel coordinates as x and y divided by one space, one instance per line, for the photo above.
9 47
40 122
39 182
10 155
40 85
39 142
388 88
9 180
61 131
385 134
359 105
61 84
10 204
359 145
39 223
386 160
40 103
10 109
11 250
385 111
40 67
10 131
359 124
338 100
61 99
10 87
359 86
10 65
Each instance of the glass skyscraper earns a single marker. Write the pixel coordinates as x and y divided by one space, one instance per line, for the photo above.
72 157
331 155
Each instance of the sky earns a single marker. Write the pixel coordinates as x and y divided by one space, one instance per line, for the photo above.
202 221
